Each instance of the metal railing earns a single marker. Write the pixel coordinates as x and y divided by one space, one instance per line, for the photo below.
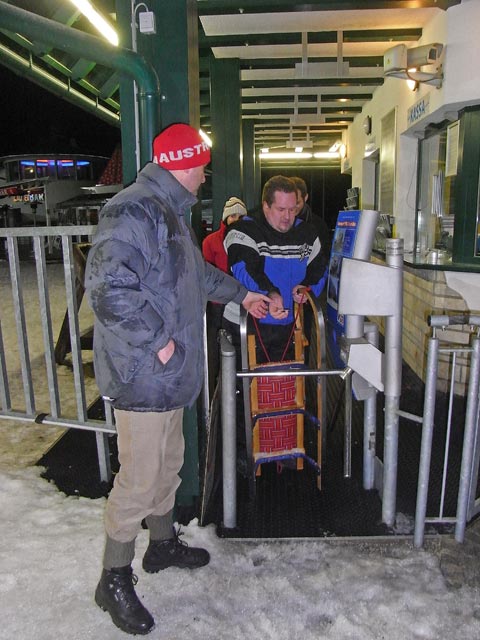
50 415
229 375
467 502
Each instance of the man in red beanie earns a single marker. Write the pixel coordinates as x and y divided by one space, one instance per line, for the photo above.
148 286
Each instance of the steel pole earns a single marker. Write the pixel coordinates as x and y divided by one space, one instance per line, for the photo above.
427 435
370 419
393 385
229 427
471 422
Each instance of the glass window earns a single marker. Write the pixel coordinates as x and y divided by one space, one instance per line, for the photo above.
27 169
12 171
477 239
46 168
435 212
84 170
66 169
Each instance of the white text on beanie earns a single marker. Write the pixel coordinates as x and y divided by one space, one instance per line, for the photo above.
180 146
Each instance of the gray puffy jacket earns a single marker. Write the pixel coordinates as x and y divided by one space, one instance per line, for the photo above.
147 283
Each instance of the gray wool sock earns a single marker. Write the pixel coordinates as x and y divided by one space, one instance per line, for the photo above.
118 554
160 527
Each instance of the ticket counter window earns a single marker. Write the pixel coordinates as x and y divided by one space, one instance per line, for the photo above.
447 230
435 213
477 236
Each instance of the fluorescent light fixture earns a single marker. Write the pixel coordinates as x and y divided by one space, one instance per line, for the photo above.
264 150
285 156
298 149
327 155
206 137
98 21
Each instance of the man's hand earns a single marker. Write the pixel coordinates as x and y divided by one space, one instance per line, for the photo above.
298 293
256 304
276 308
167 352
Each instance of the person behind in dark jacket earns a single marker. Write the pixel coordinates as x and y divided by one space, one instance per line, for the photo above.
214 253
304 212
148 286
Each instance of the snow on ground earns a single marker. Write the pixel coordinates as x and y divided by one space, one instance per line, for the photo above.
310 589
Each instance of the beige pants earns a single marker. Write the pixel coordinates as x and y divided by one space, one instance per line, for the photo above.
150 452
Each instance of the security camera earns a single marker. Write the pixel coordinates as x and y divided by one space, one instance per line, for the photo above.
426 54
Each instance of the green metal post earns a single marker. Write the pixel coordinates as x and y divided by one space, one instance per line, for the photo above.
249 192
226 119
173 53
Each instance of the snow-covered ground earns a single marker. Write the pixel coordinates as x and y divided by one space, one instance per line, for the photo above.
51 548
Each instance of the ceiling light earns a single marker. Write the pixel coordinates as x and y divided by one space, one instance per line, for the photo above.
335 147
411 83
206 137
326 155
285 156
298 149
98 21
264 150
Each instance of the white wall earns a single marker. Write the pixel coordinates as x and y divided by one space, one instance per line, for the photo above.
457 29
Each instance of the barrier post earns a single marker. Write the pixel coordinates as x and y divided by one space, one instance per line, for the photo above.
393 386
229 428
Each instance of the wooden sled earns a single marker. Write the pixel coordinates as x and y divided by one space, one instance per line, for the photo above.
277 407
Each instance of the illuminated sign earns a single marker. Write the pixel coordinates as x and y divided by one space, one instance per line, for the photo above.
30 197
22 195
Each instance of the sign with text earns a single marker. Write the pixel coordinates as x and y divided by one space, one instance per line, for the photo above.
418 110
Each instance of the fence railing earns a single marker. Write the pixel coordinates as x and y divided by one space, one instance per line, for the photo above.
19 363
468 504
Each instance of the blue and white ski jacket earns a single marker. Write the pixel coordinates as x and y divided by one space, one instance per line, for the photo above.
266 260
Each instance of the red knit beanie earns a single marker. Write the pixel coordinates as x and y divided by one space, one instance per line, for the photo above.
180 146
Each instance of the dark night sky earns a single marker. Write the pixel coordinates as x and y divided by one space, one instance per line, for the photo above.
34 120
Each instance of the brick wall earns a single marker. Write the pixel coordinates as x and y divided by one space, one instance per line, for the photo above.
425 293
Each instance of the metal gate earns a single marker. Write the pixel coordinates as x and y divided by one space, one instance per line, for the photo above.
468 502
21 370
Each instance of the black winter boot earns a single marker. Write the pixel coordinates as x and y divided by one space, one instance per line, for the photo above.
115 593
161 554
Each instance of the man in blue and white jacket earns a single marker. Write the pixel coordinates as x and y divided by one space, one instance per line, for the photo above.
276 254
